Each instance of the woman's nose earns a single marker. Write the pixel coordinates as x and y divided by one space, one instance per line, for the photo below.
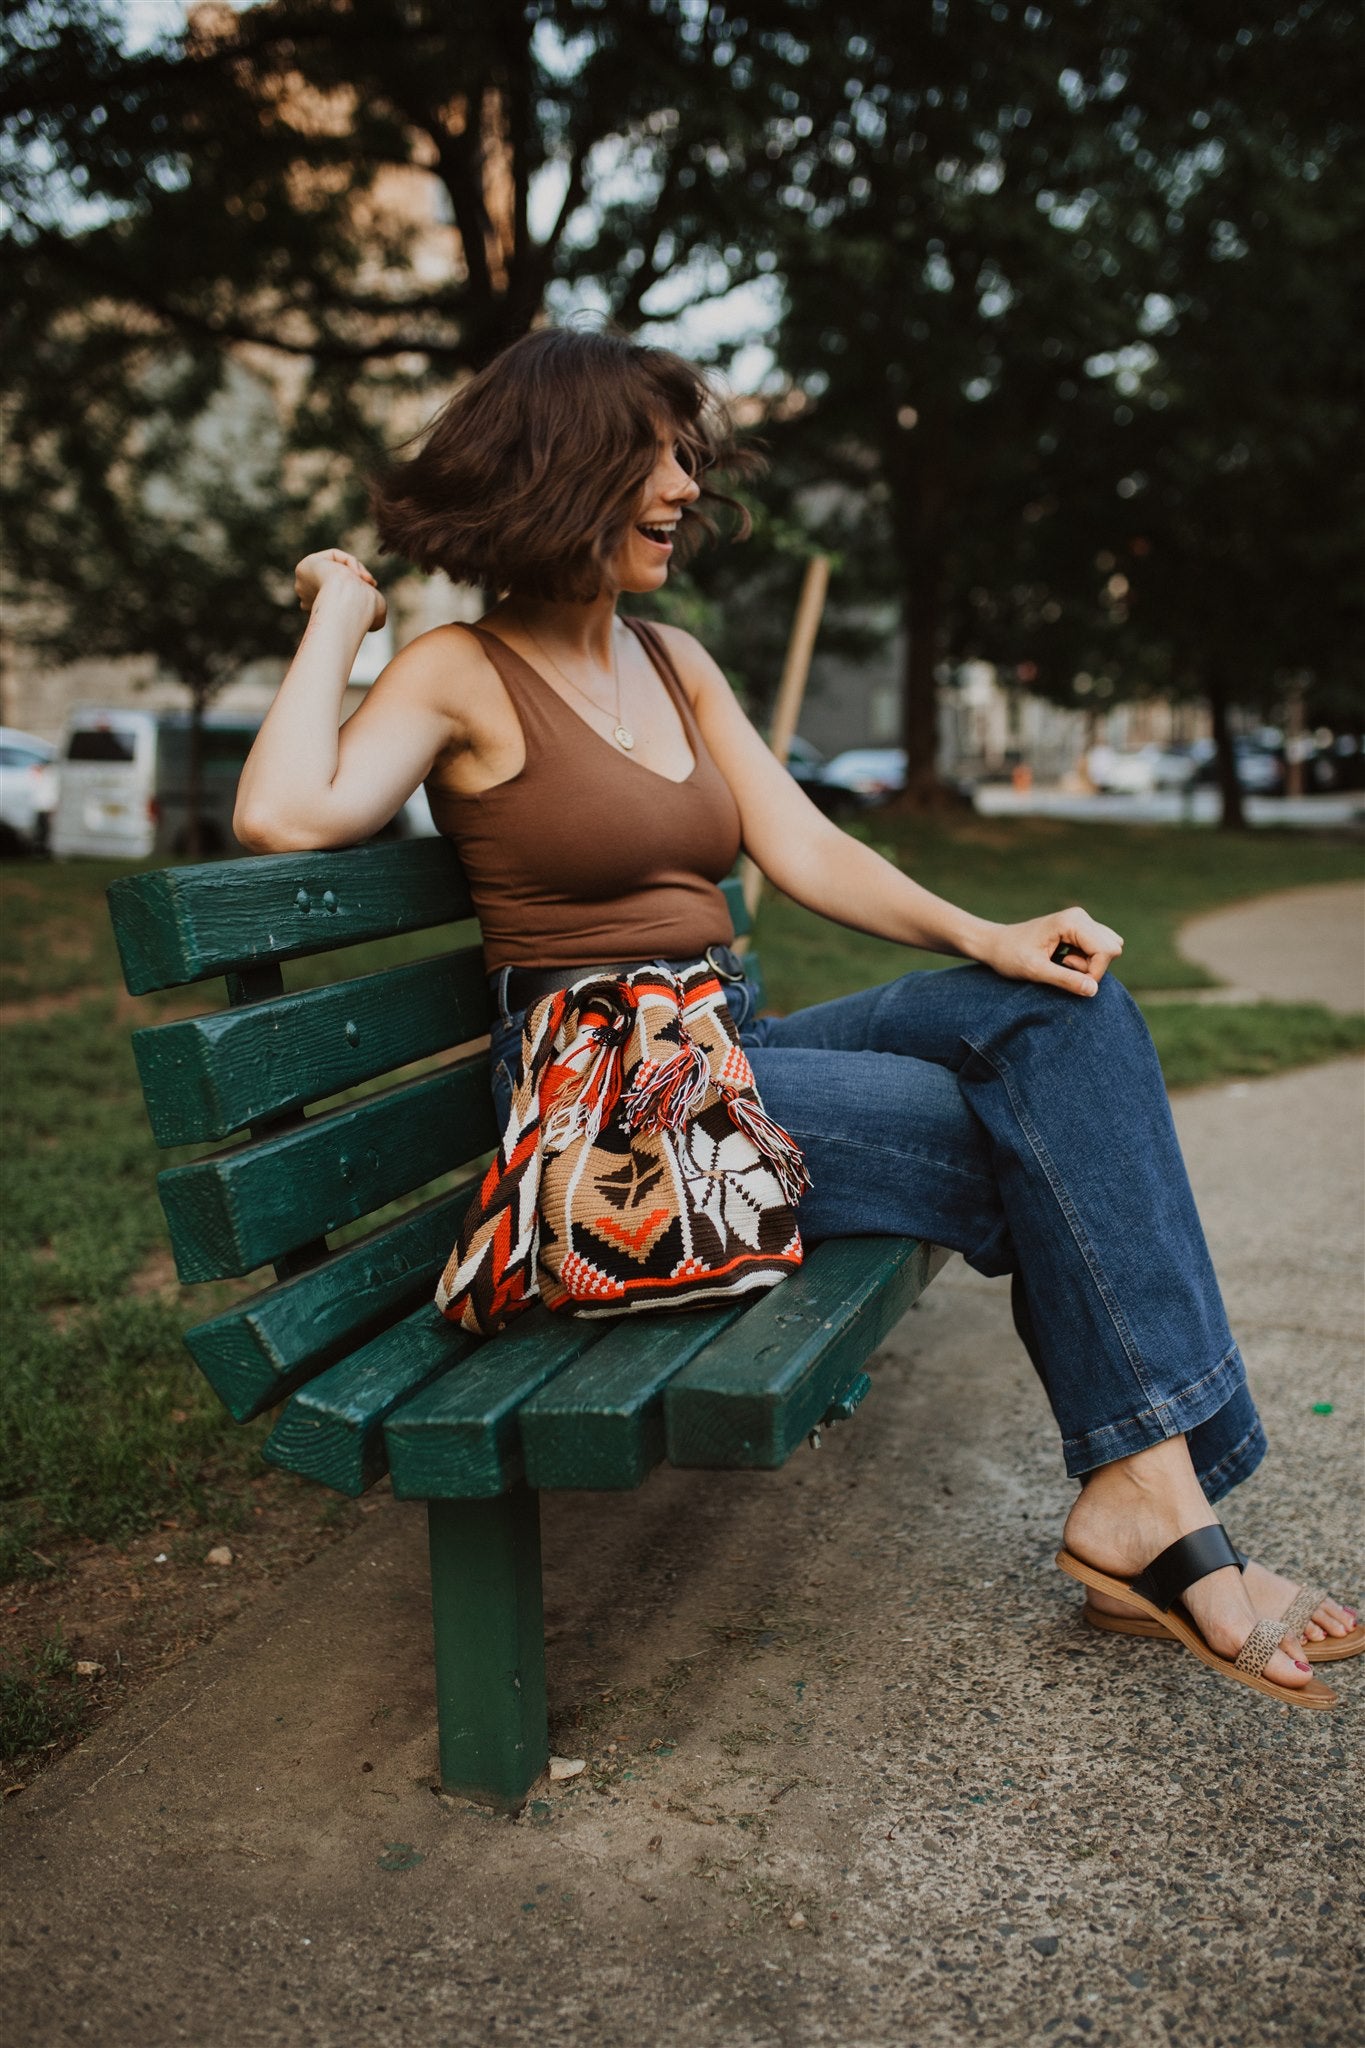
683 486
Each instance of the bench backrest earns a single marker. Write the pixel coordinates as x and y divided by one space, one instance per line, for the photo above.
276 1196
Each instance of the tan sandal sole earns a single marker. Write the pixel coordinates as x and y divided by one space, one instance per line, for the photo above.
1330 1650
1314 1695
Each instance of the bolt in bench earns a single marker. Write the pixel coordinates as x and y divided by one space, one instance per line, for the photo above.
367 1375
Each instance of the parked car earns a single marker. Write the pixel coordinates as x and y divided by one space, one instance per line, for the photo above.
27 790
123 785
865 775
1260 768
1138 771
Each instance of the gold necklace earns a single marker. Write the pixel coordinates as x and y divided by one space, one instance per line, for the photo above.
621 732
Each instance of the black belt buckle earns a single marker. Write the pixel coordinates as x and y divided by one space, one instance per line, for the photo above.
735 973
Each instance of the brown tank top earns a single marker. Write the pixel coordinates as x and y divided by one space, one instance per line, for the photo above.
585 856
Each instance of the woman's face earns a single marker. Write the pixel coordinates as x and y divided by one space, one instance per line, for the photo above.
641 562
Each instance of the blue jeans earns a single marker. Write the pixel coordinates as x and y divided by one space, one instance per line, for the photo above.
1029 1130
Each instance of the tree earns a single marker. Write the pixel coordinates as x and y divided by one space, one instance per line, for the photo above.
362 199
1206 533
280 175
987 211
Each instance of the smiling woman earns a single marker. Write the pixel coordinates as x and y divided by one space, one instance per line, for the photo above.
599 778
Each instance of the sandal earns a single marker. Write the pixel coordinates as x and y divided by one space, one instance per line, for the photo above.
1157 1592
1299 1611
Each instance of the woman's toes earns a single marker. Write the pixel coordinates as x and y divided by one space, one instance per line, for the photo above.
1330 1619
1288 1666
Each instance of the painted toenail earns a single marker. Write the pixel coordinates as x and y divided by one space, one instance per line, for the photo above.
1300 1666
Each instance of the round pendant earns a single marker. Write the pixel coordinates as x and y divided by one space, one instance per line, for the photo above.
624 738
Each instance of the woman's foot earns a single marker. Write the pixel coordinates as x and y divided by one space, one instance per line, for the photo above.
1269 1594
1127 1513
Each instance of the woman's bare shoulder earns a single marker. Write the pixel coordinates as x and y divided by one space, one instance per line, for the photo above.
450 650
699 670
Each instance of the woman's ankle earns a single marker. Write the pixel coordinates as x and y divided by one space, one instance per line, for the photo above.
1128 1511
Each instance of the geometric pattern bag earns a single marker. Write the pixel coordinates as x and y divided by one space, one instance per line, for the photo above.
638 1168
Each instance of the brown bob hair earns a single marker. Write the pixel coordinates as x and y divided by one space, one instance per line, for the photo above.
529 478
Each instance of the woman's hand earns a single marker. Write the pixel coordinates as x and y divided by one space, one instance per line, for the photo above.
1024 952
334 568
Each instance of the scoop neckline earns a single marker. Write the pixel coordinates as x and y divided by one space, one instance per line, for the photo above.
686 717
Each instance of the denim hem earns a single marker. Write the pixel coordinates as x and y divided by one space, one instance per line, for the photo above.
1177 1414
1238 1464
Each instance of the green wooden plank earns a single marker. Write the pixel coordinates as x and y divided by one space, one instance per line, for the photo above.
332 1430
177 925
600 1422
458 1439
256 1353
205 1077
489 1624
769 1380
230 1214
732 889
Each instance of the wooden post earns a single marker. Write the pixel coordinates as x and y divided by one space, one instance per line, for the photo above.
490 1645
792 688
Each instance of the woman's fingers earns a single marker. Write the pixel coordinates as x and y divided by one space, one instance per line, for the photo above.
315 569
1076 979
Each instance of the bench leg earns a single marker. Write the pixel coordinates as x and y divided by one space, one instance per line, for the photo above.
490 1645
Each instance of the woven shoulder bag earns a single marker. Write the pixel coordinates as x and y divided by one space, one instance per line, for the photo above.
638 1168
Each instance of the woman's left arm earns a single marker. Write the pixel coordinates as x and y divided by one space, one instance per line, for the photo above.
808 858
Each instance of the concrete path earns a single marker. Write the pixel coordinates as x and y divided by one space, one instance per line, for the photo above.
1300 946
853 1694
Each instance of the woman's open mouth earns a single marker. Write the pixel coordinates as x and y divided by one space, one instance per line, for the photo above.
660 537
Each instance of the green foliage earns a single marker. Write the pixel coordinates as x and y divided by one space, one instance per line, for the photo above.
42 1704
1203 1042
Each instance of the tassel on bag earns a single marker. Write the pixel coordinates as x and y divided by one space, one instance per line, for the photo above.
638 1167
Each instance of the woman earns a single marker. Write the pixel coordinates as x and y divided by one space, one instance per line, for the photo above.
599 779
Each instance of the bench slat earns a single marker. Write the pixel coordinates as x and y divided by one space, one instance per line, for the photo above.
753 1394
333 1429
256 1353
600 1422
182 924
230 1214
206 1077
458 1440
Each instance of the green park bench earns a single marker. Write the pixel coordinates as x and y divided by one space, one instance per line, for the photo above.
367 1375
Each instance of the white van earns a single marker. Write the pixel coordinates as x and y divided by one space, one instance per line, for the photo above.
123 783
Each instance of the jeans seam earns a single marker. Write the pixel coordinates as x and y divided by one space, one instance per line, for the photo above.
1092 1440
1064 1202
1233 1461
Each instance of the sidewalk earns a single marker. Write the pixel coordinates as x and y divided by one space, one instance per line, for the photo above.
1300 946
853 1694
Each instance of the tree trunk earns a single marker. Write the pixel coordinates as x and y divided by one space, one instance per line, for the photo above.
1233 819
194 824
919 695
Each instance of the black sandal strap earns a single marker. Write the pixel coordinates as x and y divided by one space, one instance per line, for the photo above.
1183 1562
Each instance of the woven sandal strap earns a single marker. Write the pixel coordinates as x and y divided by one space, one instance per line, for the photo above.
1185 1561
1301 1610
1259 1647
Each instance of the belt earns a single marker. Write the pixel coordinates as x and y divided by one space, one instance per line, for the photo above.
519 987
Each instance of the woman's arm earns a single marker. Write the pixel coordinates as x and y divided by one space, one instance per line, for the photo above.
309 782
807 856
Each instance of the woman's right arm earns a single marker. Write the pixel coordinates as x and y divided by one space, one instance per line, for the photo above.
309 782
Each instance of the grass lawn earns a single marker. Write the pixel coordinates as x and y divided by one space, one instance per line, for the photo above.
117 1454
